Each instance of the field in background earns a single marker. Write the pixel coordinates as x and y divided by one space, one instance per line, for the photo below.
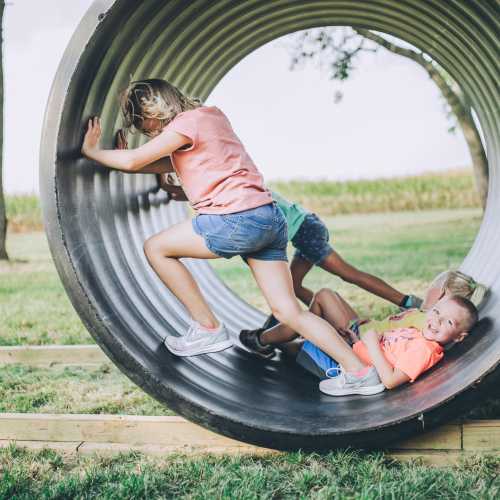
453 189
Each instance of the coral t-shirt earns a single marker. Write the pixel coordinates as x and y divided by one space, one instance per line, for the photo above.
405 347
216 173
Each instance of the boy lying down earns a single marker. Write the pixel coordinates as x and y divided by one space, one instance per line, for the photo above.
384 354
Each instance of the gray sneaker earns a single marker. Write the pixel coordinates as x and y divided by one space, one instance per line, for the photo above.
199 341
345 384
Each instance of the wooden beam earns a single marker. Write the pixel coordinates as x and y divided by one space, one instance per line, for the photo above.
54 354
169 434
447 437
481 435
129 430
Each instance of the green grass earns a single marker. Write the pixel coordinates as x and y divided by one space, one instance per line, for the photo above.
33 304
101 389
24 212
344 475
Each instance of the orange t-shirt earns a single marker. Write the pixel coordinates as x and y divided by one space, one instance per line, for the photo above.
216 173
406 349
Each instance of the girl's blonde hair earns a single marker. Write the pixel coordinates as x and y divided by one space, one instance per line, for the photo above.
153 98
457 283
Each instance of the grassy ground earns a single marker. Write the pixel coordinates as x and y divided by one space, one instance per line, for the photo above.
343 475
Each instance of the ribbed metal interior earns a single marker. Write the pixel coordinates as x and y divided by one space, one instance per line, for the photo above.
97 220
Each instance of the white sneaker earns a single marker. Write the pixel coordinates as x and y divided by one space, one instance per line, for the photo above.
345 384
198 341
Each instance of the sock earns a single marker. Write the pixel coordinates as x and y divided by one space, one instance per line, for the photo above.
258 334
360 373
211 330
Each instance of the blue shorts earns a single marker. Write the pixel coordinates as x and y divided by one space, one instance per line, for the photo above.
311 240
315 361
259 233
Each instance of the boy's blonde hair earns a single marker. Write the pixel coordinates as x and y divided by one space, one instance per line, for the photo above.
153 98
458 283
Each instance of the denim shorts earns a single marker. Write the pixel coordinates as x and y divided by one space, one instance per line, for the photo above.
259 233
315 361
311 240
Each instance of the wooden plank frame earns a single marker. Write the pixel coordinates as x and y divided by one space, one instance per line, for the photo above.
109 434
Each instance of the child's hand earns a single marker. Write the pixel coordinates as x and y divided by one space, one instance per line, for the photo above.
348 335
92 136
121 140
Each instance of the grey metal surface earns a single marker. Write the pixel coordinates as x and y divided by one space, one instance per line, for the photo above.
97 220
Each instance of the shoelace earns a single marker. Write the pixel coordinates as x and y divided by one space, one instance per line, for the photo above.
335 369
340 373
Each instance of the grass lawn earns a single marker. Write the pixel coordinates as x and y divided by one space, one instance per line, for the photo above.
337 475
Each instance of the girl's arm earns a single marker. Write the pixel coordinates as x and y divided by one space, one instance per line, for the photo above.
148 158
391 377
163 165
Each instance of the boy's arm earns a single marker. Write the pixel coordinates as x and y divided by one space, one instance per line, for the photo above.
391 377
148 158
176 192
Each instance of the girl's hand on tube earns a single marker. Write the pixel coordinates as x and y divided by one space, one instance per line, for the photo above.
92 136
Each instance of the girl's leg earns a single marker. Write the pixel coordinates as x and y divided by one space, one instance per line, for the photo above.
274 279
299 268
163 251
334 264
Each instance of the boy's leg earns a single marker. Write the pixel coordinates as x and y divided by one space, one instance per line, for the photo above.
333 308
274 279
326 304
334 264
299 268
163 251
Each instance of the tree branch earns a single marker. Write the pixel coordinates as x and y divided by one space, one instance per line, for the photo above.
392 47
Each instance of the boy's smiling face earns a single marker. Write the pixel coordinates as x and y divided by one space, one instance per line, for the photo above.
444 322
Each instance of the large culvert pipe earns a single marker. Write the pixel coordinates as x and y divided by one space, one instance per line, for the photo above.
97 219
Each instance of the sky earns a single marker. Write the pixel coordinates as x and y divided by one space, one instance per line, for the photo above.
390 122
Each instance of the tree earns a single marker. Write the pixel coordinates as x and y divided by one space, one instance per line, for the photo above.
337 48
3 216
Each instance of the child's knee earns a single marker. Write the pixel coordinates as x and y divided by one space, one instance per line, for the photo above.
286 313
152 247
325 294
